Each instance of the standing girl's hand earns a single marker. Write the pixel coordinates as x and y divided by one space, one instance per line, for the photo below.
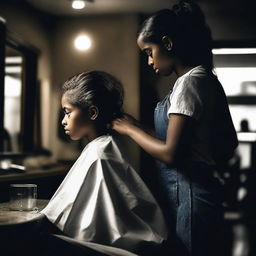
124 124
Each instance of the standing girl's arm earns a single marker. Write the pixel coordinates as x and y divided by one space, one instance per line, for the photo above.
161 150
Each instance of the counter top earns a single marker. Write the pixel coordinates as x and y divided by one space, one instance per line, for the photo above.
34 173
10 217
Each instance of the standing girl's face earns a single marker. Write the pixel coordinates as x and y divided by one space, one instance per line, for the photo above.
77 123
158 57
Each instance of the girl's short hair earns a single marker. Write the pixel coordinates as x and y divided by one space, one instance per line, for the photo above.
185 24
96 88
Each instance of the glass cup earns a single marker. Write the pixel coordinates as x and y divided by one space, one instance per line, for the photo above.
23 197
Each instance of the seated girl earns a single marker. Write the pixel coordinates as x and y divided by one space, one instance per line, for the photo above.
102 199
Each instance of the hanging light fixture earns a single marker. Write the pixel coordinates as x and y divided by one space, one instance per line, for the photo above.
78 4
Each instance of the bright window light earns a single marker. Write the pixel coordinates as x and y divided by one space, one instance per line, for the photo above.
233 80
223 51
13 70
246 136
78 4
82 42
13 87
13 60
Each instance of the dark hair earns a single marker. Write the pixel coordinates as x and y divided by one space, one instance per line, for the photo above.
185 24
96 88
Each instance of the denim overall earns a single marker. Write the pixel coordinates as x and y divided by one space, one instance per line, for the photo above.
193 211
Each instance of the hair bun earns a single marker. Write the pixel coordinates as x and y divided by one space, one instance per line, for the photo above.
188 12
177 9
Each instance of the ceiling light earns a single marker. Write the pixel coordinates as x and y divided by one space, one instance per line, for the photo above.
78 4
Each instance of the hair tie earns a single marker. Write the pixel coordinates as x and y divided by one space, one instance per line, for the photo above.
176 9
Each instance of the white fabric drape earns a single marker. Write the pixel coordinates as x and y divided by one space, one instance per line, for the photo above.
103 200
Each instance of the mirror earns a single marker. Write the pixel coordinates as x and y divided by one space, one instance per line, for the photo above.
12 99
18 95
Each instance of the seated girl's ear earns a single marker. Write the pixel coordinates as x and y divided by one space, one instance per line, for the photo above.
167 42
93 112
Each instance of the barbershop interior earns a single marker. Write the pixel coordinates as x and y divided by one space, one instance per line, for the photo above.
45 42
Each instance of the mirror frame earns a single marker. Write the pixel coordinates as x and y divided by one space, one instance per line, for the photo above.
2 74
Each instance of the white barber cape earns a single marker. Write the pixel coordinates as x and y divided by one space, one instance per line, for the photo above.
103 200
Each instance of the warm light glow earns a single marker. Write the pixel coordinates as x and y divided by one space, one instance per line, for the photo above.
82 42
78 4
224 51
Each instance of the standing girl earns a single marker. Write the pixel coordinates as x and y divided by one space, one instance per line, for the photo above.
194 130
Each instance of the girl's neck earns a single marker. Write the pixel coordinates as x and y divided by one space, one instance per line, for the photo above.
95 133
92 135
183 70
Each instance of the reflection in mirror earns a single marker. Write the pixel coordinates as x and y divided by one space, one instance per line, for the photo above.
12 99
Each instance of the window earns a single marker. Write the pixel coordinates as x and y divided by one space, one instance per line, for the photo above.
235 66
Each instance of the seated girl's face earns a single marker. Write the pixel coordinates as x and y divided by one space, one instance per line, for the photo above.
77 123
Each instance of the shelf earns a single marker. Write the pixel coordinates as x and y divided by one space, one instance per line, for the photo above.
241 100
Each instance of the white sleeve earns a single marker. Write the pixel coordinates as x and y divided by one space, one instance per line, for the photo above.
186 98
